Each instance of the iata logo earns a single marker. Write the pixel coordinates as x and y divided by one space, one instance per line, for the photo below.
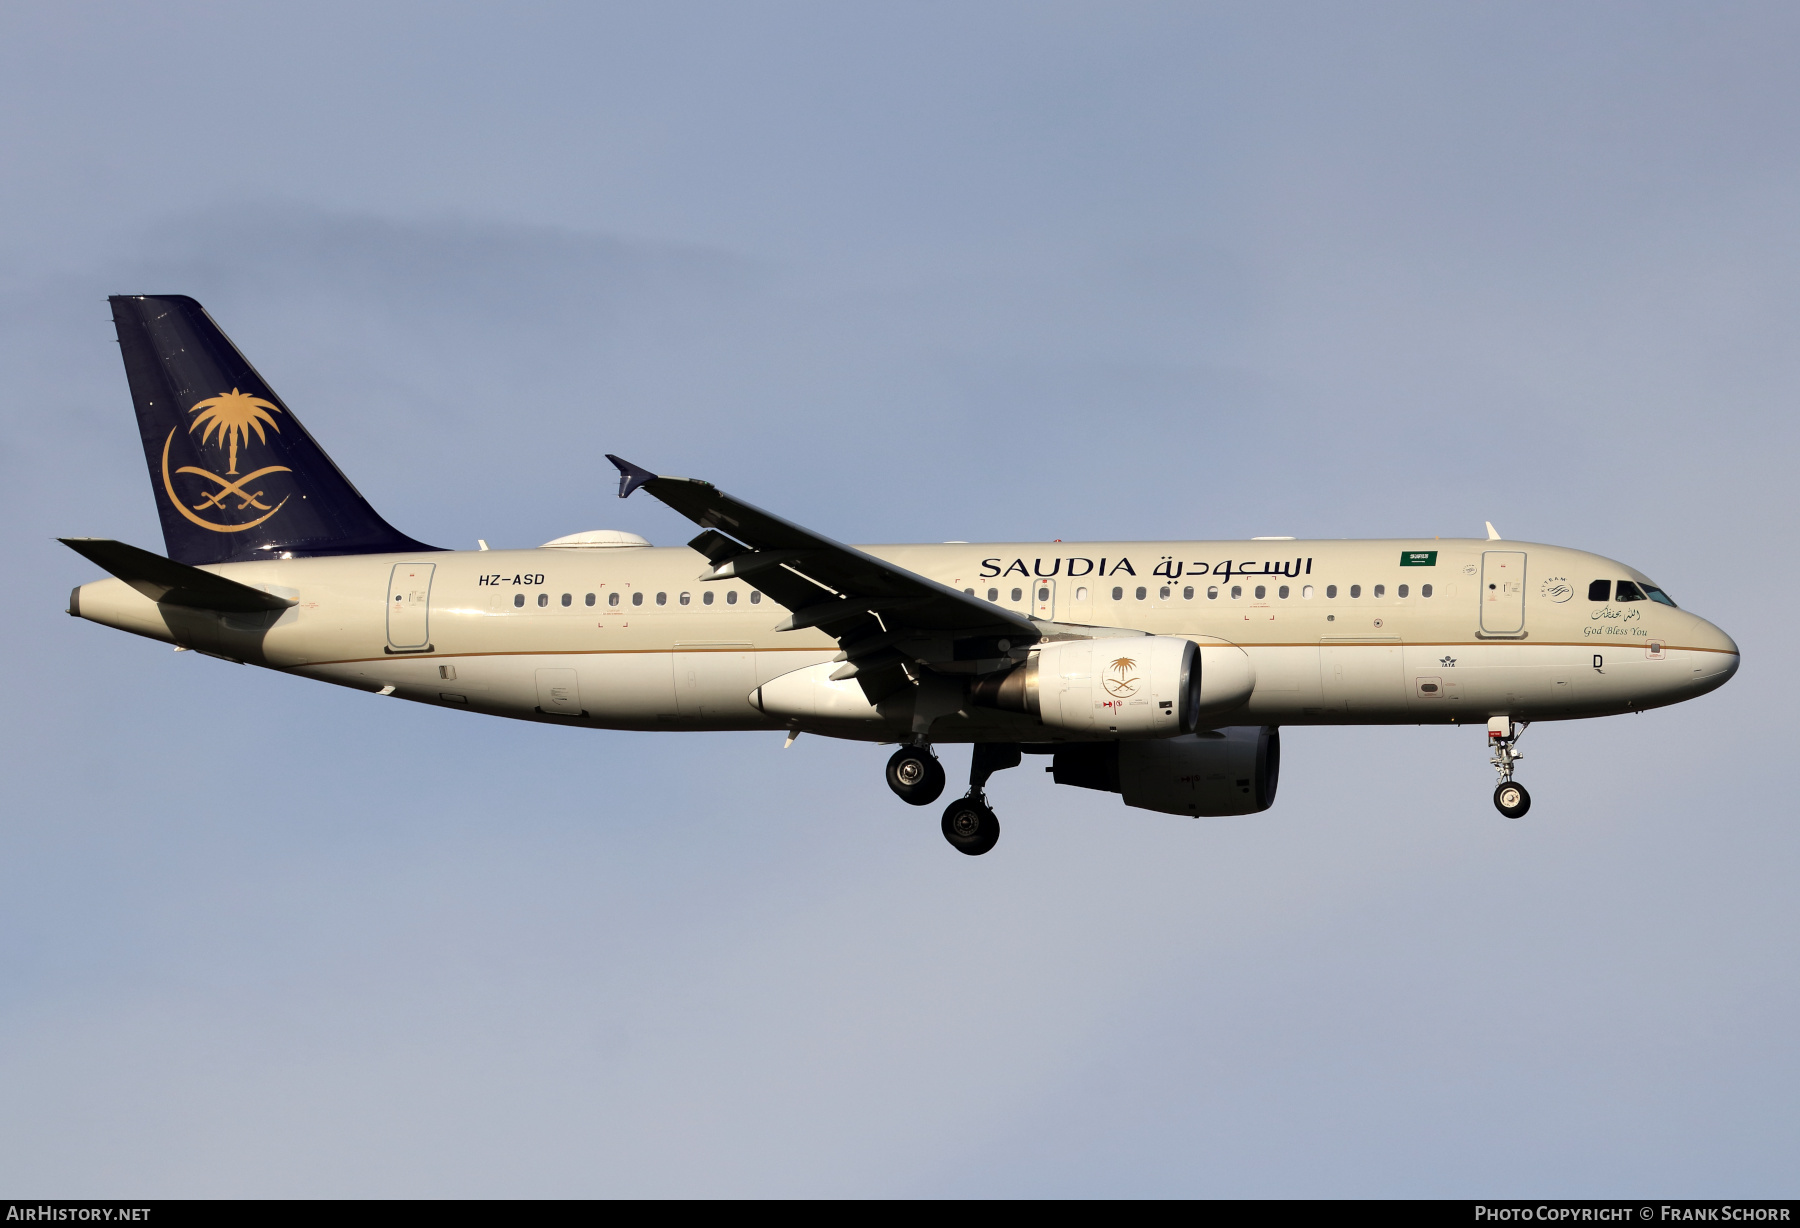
231 417
1556 588
1121 678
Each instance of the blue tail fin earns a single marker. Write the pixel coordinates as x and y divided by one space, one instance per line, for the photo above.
235 474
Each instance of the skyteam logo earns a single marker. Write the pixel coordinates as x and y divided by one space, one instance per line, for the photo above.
220 502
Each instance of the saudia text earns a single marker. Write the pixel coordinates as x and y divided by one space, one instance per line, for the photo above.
1169 567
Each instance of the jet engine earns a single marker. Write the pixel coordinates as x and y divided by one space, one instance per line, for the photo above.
1139 687
1212 773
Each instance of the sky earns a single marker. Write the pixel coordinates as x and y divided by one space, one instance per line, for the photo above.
905 273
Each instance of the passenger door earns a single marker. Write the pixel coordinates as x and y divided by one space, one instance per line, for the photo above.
1502 592
409 607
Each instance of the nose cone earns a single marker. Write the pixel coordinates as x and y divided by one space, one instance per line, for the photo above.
1714 656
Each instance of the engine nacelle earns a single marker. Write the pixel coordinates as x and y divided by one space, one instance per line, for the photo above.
1138 687
1214 773
1227 677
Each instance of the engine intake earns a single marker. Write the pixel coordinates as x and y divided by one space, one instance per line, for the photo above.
1137 687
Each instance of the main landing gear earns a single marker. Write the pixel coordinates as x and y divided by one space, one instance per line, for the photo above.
917 778
915 775
970 824
1510 797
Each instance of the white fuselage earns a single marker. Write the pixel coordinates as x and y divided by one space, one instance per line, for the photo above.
625 638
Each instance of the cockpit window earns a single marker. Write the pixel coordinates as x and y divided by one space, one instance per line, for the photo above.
1600 590
1628 591
1657 595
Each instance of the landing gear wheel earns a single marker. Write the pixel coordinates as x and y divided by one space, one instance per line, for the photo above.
915 776
1511 800
970 826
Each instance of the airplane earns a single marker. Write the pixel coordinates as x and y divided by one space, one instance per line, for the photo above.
1161 671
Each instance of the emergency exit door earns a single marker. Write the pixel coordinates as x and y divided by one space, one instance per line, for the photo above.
1043 605
1502 592
409 607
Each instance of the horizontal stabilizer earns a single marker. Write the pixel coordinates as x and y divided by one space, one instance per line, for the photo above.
168 582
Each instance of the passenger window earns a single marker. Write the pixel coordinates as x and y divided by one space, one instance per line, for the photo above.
1356 590
590 599
755 598
1261 592
1237 590
968 592
1140 594
637 599
1282 592
612 599
1187 594
568 600
1306 592
1163 593
543 600
1401 591
1657 595
1600 590
1118 594
731 596
1081 594
1331 591
1043 594
1424 590
993 594
1018 594
518 599
1212 592
1381 590
706 598
684 599
1629 592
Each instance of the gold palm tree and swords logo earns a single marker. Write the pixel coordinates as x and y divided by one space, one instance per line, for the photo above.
1121 679
231 417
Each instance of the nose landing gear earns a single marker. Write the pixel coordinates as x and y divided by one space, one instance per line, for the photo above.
1510 797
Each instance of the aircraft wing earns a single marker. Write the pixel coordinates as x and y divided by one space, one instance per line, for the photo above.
882 615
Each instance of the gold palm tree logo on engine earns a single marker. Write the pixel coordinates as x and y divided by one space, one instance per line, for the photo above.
1121 681
230 417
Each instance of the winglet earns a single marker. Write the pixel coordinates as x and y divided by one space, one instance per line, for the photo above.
630 476
1493 533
